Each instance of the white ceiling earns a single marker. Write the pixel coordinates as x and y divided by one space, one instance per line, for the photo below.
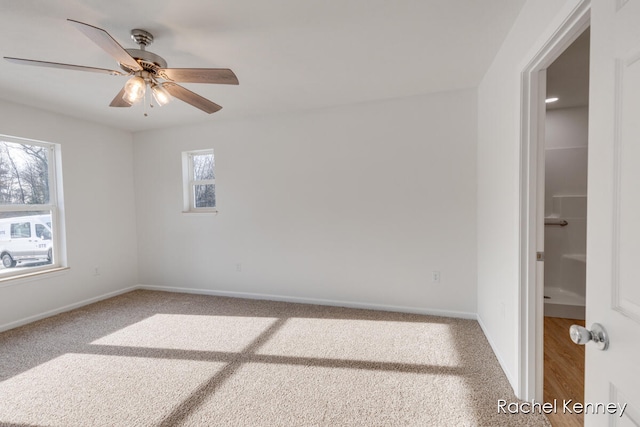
289 55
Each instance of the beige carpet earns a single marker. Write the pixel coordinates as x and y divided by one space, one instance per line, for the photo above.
165 359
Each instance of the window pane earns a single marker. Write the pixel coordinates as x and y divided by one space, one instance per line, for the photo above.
205 196
202 167
24 174
26 240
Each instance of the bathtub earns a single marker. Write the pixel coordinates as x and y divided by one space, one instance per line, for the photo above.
565 261
567 298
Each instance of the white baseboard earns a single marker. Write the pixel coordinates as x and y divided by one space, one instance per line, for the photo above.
270 297
495 351
246 295
69 307
315 301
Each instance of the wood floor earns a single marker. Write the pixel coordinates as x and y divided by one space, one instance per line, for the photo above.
563 369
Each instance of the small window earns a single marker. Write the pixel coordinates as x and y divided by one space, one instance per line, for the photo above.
199 181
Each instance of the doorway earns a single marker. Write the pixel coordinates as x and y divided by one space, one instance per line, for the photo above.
532 200
613 231
565 224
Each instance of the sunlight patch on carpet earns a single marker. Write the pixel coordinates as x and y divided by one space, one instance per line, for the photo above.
365 340
268 395
82 390
189 332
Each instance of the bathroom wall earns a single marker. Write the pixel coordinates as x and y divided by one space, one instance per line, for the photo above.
566 198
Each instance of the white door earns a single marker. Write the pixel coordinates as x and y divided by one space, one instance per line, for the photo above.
613 234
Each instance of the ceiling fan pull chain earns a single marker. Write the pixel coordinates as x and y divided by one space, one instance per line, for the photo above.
145 104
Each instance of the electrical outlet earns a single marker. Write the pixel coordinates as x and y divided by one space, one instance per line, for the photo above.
238 267
96 272
435 276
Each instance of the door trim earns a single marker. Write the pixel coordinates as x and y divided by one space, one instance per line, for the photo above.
530 294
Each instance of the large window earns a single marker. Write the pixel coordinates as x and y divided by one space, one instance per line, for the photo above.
199 181
29 240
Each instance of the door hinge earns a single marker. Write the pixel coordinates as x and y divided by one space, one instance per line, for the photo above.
539 256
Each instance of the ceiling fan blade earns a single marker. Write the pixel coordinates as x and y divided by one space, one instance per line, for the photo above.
108 43
191 98
222 76
118 101
63 66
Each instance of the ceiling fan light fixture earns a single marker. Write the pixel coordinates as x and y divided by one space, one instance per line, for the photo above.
160 94
144 69
134 89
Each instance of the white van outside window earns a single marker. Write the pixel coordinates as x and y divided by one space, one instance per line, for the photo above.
26 240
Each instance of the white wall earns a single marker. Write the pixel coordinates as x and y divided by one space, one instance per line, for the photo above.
354 204
99 207
499 107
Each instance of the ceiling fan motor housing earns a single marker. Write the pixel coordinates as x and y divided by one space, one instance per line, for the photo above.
149 61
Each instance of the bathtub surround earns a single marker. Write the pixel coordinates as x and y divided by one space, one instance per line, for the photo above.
566 200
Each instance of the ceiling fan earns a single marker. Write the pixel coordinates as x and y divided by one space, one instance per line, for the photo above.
146 70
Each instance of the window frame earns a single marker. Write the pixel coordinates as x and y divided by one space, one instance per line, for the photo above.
189 183
53 153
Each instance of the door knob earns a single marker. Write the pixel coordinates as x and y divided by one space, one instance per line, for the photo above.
597 334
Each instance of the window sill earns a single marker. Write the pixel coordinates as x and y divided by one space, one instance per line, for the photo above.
30 276
206 213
